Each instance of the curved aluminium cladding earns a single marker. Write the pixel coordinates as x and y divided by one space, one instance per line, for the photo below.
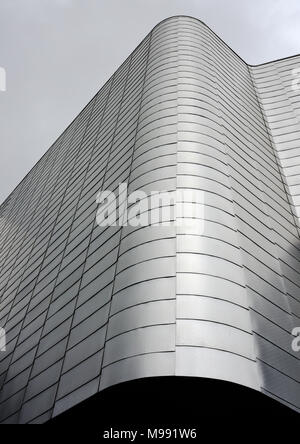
278 89
86 307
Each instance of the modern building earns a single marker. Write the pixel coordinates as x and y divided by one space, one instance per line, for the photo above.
86 307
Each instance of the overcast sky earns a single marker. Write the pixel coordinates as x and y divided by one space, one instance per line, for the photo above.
58 53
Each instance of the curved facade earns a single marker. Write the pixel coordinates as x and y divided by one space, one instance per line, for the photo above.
85 307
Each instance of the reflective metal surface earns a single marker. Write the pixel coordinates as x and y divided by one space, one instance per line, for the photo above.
85 307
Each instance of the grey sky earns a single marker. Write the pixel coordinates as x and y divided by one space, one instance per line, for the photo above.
58 53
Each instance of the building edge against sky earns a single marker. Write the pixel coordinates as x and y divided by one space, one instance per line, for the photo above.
85 307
